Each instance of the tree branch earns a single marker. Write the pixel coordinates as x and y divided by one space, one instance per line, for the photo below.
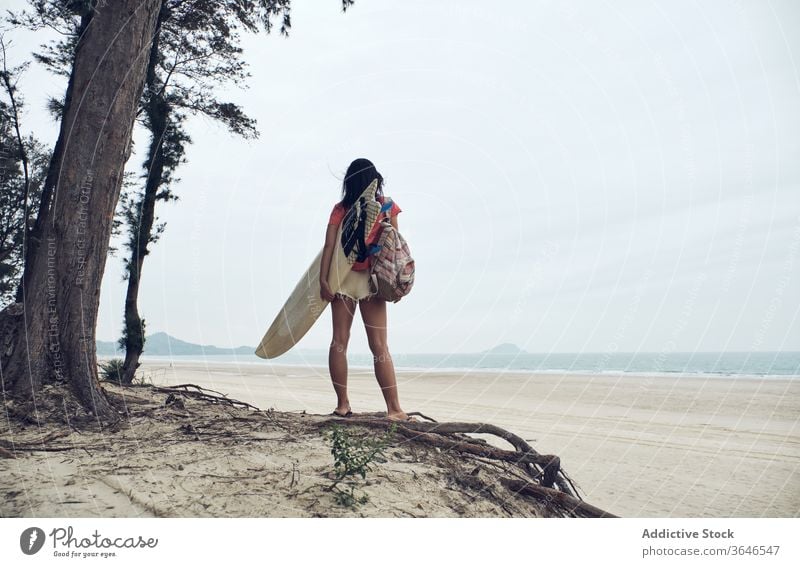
22 153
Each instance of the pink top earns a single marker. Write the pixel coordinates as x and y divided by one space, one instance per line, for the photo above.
337 214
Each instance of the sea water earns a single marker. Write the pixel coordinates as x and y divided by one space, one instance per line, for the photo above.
721 364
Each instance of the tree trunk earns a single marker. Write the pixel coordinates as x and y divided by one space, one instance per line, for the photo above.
134 325
157 110
55 340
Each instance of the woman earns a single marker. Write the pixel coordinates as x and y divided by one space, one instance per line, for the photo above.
356 289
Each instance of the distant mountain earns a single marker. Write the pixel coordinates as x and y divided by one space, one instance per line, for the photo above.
505 348
161 344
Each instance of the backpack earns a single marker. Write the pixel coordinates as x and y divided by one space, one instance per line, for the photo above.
392 267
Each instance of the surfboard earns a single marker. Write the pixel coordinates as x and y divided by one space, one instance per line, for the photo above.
304 305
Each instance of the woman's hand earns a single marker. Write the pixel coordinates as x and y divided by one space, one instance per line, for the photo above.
325 291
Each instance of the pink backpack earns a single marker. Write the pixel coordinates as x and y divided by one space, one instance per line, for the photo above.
392 267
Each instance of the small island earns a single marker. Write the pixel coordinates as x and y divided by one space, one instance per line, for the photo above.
505 348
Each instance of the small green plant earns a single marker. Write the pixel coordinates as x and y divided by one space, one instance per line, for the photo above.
111 371
352 458
348 497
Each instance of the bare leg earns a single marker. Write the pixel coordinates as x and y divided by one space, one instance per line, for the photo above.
373 312
343 310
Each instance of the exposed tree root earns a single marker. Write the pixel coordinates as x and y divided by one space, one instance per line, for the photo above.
9 449
569 505
194 391
545 469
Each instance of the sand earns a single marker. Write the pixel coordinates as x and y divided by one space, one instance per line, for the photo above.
638 446
179 456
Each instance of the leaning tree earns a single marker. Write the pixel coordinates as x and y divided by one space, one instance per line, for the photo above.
50 335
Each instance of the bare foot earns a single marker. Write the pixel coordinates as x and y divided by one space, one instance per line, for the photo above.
400 416
343 412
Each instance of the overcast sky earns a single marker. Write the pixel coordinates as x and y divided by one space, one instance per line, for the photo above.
581 176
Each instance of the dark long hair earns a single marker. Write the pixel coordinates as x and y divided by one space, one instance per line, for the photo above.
359 175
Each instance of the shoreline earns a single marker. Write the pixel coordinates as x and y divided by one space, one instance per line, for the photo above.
190 359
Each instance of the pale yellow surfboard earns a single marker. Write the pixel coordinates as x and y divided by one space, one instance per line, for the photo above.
305 305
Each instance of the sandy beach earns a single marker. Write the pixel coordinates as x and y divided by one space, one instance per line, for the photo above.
638 446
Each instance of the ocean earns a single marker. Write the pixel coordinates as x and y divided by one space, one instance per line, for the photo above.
721 364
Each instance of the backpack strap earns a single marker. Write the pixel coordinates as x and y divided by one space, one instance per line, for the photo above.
386 209
360 231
